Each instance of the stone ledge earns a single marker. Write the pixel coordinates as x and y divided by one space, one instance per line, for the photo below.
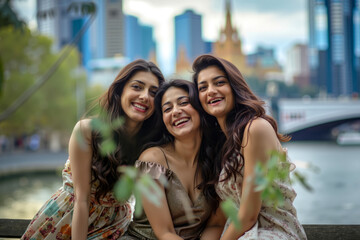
14 228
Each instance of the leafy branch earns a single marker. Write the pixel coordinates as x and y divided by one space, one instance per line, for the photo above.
132 182
276 169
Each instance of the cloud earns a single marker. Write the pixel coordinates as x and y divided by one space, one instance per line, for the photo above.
26 9
285 7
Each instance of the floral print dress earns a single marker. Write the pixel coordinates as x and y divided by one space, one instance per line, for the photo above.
274 223
108 218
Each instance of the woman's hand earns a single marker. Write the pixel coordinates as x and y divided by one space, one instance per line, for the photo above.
214 226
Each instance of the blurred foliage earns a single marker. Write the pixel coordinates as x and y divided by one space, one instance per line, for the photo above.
8 16
10 19
27 57
276 169
132 182
231 211
108 145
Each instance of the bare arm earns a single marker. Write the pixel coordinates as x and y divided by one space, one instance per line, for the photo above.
159 216
80 160
258 141
214 226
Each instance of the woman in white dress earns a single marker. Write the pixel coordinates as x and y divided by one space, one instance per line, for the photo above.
249 136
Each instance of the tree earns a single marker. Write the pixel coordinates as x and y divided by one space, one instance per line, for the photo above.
28 56
9 18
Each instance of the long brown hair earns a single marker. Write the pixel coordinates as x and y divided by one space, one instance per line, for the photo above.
104 168
247 108
206 153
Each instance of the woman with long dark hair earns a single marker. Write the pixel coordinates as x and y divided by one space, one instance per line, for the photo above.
250 134
184 157
85 206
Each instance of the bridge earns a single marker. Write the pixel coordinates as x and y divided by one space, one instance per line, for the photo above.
315 119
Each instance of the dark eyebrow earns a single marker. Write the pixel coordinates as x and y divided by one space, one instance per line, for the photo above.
138 81
179 98
165 104
182 97
215 78
142 83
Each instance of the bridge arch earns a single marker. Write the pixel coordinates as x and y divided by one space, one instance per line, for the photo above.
314 120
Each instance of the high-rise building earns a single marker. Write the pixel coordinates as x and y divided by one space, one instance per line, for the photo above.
319 52
333 42
56 25
107 32
104 38
114 25
139 40
188 39
296 67
356 17
63 26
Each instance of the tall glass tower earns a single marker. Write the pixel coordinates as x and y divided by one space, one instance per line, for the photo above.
188 37
333 43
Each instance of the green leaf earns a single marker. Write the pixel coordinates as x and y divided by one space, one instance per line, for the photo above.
302 181
138 202
230 210
124 188
107 147
117 123
129 171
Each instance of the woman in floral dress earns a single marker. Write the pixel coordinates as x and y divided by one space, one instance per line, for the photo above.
249 136
85 206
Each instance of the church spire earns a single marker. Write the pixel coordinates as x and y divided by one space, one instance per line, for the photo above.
228 25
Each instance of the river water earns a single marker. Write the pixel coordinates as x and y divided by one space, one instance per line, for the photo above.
335 198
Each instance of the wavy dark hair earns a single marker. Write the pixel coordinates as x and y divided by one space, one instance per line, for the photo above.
104 168
247 107
206 152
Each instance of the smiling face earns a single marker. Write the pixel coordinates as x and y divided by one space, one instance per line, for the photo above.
179 117
215 93
137 98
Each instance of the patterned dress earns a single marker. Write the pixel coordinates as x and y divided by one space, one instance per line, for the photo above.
108 219
274 223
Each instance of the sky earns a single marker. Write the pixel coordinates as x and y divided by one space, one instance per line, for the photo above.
271 23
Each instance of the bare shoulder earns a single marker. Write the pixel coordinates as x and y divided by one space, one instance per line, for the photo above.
261 134
83 127
259 127
153 154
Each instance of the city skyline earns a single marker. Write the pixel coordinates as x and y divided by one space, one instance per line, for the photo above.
288 22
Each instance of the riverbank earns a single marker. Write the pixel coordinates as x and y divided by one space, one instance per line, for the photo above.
27 161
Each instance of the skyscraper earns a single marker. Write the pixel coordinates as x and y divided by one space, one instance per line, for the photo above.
63 26
103 39
139 41
107 32
296 67
333 42
188 37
